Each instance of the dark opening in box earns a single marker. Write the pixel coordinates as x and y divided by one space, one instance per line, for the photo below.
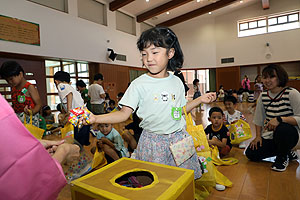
135 179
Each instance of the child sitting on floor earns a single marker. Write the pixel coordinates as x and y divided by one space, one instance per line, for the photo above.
217 132
232 115
62 116
62 120
48 116
111 106
111 142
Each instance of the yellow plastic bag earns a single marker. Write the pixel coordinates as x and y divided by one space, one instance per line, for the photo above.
239 132
201 192
203 151
224 161
35 131
221 179
99 159
67 130
49 127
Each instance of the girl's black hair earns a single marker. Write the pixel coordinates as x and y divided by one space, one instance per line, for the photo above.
10 68
195 81
120 94
59 107
273 70
165 38
230 98
107 95
255 80
80 83
112 102
44 109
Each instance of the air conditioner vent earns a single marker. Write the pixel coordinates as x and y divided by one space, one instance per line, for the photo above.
121 57
227 60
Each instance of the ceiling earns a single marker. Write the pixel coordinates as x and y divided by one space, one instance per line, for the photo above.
154 12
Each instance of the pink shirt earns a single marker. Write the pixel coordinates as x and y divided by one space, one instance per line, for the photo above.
244 83
27 171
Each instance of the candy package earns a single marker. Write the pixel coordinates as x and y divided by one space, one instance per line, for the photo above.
77 113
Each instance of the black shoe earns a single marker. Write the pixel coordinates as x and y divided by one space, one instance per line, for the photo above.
280 163
293 155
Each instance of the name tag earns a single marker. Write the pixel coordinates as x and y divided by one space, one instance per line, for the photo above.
176 113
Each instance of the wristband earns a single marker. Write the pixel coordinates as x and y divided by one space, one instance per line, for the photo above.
279 119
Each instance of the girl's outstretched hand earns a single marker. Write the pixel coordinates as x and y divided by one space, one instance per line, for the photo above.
208 97
91 120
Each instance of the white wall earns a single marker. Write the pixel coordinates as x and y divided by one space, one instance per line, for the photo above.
284 45
197 40
207 39
204 40
65 35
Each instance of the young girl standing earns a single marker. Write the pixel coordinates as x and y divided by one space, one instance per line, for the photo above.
25 97
258 87
159 97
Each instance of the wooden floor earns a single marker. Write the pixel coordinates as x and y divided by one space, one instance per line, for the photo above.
251 180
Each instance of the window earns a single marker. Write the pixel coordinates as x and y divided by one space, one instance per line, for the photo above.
269 24
61 5
133 74
284 22
5 90
254 27
202 75
125 23
77 71
145 26
92 10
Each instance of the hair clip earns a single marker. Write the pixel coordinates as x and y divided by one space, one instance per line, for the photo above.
172 35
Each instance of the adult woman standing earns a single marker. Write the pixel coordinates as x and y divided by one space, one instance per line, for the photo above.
276 119
246 83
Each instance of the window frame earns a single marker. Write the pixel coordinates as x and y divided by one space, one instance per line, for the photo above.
66 6
61 68
268 25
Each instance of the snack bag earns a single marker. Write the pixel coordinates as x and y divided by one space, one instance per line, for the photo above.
239 132
77 113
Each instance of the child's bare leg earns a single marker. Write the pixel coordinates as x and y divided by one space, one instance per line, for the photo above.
110 152
93 150
130 140
56 130
224 151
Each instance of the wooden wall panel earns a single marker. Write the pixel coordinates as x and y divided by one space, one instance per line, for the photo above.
294 83
229 77
116 77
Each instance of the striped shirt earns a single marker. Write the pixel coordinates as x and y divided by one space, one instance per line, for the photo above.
287 104
234 117
277 107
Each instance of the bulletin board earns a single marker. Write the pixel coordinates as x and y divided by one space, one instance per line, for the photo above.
16 30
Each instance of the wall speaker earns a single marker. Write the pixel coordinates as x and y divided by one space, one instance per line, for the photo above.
112 54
